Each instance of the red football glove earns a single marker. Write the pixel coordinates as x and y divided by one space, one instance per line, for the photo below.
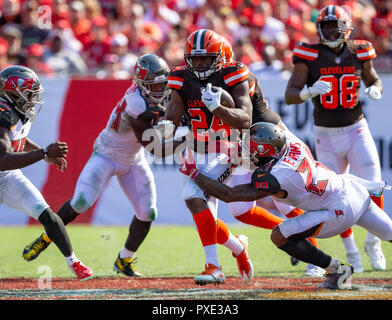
188 165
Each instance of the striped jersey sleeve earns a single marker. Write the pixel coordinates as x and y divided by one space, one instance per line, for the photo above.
304 52
364 50
236 74
176 78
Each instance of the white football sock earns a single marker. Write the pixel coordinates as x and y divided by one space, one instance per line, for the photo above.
125 253
349 243
333 266
211 253
71 259
234 245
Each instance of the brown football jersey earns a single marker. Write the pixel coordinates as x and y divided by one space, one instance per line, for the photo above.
202 122
341 106
261 112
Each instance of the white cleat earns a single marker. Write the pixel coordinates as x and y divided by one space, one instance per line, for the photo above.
211 275
341 280
354 258
314 271
377 259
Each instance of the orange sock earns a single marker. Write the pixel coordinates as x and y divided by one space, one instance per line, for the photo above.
259 217
314 242
206 227
295 212
346 233
222 231
378 201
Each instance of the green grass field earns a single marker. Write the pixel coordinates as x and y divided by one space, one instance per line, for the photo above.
171 251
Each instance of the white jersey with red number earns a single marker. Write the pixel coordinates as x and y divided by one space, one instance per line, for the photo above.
309 184
117 140
18 130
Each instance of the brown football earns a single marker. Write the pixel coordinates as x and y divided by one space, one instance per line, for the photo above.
226 98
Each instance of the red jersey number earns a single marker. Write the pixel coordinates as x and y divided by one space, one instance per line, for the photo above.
18 145
119 110
200 126
305 167
343 92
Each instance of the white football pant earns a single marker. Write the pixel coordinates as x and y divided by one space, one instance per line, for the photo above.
18 193
137 182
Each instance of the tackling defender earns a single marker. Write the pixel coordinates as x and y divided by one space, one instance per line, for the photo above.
118 151
285 169
254 212
332 71
20 93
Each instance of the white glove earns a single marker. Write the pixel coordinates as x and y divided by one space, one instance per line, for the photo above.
211 99
375 188
319 88
166 129
373 92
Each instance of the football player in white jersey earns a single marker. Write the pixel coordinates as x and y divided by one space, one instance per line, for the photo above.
118 151
286 170
20 95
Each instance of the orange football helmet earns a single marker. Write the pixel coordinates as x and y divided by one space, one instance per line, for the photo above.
201 44
343 25
228 53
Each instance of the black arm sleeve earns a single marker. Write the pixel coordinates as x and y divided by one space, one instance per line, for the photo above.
263 180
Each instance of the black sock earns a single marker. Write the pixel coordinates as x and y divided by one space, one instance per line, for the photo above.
305 251
66 213
138 231
55 229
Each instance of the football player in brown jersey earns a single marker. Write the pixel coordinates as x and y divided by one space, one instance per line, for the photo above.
20 94
212 127
332 71
255 213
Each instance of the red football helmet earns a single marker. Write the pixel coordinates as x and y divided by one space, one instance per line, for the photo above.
201 44
341 31
21 87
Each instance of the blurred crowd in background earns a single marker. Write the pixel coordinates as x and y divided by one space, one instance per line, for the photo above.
103 38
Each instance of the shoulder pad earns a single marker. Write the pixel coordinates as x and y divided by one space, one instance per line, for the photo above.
176 78
8 116
264 180
153 111
235 72
364 50
304 51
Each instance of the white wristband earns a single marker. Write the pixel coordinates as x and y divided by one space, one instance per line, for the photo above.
304 94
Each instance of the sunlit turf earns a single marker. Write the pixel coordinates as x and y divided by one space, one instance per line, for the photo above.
170 251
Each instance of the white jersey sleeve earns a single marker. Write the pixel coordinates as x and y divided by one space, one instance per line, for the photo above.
135 104
117 140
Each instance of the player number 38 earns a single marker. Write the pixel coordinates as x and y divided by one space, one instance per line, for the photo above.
343 92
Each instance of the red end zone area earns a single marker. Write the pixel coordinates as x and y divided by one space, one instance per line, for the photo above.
122 288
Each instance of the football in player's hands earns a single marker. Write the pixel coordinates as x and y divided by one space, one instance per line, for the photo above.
226 99
214 97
